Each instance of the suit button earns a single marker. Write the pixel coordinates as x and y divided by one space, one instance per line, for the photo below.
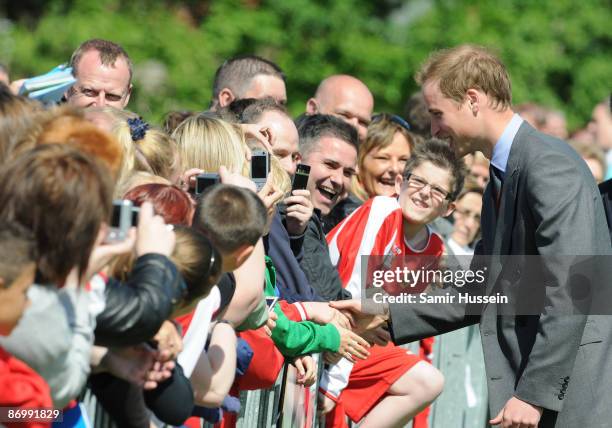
487 333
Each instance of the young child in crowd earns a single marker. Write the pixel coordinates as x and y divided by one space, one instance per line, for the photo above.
20 386
392 228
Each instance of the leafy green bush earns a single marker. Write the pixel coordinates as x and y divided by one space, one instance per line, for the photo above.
558 54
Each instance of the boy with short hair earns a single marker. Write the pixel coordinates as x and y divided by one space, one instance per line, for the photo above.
395 227
234 219
20 386
17 269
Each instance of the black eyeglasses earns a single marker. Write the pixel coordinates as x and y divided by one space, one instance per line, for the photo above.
420 183
391 118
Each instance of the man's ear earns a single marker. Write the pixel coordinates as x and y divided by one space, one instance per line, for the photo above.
226 96
268 133
243 253
449 209
474 100
399 179
312 107
69 92
127 97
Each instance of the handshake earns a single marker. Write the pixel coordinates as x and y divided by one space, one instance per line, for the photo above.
358 327
368 321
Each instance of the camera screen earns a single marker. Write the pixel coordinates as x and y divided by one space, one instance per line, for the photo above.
203 182
259 167
300 179
116 219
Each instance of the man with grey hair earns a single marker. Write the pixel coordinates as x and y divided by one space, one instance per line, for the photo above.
247 76
345 97
103 73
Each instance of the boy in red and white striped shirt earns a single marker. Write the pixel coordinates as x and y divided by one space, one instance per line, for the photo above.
391 386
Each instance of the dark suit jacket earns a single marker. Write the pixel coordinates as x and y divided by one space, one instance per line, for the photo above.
606 196
550 206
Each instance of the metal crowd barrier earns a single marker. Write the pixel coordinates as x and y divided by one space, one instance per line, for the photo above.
285 405
462 404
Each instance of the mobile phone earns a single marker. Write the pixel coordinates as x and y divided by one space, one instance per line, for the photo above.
300 179
205 180
121 221
270 302
260 167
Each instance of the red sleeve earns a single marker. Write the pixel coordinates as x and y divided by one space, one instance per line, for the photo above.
290 311
185 320
20 386
294 311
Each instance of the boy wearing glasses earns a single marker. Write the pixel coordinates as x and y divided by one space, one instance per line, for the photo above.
391 387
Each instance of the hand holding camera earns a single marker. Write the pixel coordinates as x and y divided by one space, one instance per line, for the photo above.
154 236
299 211
260 168
188 179
299 205
270 195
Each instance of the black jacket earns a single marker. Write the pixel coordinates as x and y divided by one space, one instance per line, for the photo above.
317 265
342 210
605 189
135 310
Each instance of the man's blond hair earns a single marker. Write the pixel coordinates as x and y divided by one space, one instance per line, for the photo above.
468 66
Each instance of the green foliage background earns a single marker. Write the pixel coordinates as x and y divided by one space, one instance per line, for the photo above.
559 52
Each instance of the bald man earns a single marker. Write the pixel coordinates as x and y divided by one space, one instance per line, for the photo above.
345 97
278 129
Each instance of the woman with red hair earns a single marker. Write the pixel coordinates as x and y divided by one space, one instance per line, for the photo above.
170 202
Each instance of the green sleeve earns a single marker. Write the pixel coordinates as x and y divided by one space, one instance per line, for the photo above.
298 338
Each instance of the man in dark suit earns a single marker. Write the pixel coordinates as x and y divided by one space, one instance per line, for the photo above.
548 369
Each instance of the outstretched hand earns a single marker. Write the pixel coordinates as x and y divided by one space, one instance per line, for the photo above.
361 321
352 346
